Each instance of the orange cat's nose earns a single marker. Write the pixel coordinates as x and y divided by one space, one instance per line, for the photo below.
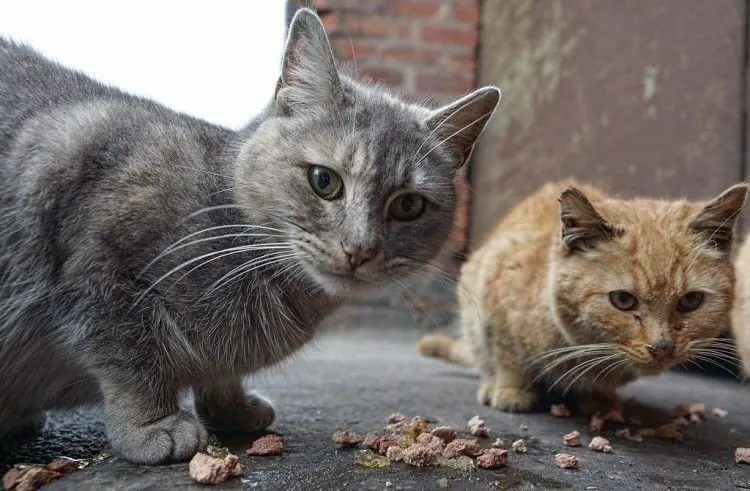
662 350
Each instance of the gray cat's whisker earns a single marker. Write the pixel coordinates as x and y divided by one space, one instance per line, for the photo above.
247 267
585 355
721 355
598 362
215 208
710 361
477 120
614 366
440 125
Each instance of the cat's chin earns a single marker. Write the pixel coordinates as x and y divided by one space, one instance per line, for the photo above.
341 285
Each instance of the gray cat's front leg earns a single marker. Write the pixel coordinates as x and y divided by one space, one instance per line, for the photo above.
227 406
146 425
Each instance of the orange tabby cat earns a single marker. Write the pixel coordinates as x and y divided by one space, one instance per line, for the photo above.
741 308
585 292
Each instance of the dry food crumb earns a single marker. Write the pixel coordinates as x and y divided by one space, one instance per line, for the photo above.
461 446
572 439
394 453
600 445
63 465
205 469
519 446
443 482
388 484
368 458
719 412
347 438
559 411
267 445
475 421
434 443
478 427
396 418
566 461
498 443
388 441
419 455
447 433
493 458
372 441
742 455
460 463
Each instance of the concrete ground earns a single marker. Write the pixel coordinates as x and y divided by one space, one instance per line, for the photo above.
364 368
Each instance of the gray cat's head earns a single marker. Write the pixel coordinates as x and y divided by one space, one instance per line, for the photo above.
362 183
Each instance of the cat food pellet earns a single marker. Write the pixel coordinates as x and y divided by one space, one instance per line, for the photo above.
742 455
372 441
478 427
559 411
205 469
461 446
446 433
498 443
566 461
434 443
572 439
394 453
388 484
519 446
396 418
347 438
493 458
600 445
388 441
719 412
419 455
267 445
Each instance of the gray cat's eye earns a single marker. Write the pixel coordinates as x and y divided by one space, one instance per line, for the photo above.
690 302
623 300
407 207
326 183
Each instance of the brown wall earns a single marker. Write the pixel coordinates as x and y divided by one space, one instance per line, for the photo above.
642 97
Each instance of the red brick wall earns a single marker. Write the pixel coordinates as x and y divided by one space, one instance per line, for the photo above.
423 47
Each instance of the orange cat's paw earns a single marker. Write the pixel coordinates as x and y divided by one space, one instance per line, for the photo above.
510 399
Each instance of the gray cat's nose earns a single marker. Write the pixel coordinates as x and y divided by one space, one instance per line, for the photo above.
662 349
358 256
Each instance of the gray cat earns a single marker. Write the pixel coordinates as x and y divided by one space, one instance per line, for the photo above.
144 252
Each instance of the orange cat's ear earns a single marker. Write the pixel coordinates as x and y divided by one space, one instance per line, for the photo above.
715 222
582 226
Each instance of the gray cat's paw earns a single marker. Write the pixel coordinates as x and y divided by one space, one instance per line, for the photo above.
247 414
173 438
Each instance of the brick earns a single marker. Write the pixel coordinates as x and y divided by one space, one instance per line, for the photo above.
387 76
331 22
373 26
447 35
468 14
402 30
418 9
406 54
460 61
446 82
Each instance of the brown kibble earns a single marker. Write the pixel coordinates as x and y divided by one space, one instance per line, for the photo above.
566 461
394 453
493 458
600 445
205 469
498 443
719 412
446 433
742 455
419 455
347 438
559 411
396 418
572 439
461 446
519 446
267 445
372 441
63 465
434 443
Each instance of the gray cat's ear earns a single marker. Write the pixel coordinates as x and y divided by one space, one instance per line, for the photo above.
582 226
309 79
715 223
458 125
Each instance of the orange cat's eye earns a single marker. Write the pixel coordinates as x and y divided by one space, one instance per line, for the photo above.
689 302
623 300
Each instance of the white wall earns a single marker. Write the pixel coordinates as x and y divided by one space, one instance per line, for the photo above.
217 60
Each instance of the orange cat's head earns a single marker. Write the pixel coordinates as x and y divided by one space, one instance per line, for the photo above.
650 280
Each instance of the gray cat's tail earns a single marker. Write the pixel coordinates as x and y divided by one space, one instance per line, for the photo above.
445 348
